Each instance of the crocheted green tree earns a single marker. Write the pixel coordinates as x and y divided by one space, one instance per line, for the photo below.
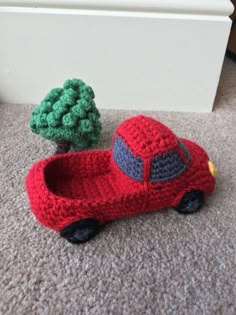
68 116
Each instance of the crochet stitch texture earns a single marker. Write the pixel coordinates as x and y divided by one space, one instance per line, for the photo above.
147 169
70 114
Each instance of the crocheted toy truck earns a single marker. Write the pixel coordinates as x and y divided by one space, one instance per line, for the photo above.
147 169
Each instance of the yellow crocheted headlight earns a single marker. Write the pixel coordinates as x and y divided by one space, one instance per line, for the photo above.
212 168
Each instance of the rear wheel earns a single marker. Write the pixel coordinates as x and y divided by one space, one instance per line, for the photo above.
191 202
80 231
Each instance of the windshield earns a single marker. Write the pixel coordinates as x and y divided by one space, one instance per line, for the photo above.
184 149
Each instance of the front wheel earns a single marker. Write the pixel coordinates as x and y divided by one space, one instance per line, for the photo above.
80 231
191 202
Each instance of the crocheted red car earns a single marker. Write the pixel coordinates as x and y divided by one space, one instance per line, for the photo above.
147 169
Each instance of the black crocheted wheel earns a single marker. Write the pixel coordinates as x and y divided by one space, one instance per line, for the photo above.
191 202
80 231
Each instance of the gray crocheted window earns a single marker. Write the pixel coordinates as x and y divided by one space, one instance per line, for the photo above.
127 162
184 149
168 165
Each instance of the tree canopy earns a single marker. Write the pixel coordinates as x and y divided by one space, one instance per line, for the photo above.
69 114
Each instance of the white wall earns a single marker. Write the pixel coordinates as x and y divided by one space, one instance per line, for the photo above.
133 60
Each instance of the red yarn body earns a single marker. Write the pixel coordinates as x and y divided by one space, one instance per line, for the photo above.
66 188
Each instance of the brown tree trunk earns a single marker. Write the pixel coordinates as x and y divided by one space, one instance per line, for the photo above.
63 146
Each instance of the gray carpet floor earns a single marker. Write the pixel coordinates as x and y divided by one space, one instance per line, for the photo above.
159 263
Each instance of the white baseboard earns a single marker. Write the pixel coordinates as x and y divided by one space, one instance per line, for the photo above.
135 54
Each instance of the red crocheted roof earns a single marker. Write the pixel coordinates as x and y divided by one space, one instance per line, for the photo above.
146 136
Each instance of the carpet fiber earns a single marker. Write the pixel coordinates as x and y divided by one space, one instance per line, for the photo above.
159 263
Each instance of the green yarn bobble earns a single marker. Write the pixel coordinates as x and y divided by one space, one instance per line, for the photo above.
69 114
